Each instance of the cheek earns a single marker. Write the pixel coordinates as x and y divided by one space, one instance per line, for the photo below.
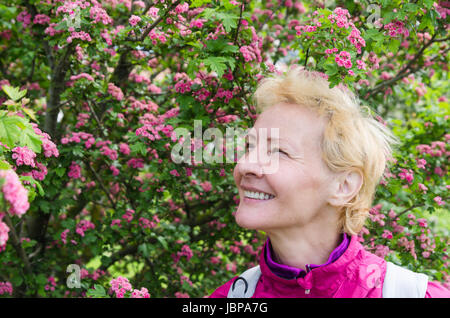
236 174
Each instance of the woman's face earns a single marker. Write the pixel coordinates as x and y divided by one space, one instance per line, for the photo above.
299 182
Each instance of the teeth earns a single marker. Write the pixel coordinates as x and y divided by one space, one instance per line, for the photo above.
258 195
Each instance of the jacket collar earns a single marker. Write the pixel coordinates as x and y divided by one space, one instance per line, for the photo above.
326 279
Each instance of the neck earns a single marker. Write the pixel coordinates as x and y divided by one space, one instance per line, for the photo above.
298 247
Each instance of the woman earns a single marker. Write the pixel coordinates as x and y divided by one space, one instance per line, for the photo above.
330 156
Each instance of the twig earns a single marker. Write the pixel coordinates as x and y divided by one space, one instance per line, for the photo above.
404 71
239 23
15 240
96 176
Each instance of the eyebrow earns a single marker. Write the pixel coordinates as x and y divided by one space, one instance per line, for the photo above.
270 138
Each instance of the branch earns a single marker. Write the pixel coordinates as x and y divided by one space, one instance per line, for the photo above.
15 240
404 71
239 23
412 207
97 177
155 23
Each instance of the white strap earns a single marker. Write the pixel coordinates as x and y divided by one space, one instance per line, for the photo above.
244 286
400 282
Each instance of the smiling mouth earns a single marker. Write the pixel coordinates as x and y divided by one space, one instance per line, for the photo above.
258 195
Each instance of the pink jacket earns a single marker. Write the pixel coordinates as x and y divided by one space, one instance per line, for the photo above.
355 274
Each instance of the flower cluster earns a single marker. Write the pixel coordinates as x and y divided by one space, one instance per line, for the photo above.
79 35
49 146
120 286
115 91
83 226
74 171
134 20
14 193
6 288
77 137
396 28
24 156
4 229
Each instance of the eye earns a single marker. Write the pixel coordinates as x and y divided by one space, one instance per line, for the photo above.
248 146
278 150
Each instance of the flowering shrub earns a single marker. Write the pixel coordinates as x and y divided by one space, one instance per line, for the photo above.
93 90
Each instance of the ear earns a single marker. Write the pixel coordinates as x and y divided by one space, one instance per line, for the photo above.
345 186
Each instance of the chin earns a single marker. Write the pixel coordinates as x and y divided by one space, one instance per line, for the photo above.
246 220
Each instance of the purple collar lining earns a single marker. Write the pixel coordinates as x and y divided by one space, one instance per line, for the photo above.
289 272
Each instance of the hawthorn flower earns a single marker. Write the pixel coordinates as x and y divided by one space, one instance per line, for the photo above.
14 193
4 229
24 156
134 20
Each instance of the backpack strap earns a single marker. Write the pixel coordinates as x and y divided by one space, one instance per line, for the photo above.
400 282
244 286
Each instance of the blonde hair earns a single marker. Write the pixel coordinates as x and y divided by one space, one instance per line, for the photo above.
352 140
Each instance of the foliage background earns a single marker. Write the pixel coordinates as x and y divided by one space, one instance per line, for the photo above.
110 91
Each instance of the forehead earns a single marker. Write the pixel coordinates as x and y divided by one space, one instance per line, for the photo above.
295 123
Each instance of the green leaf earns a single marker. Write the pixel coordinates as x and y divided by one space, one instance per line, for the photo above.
60 171
4 165
216 64
98 292
163 242
13 92
199 3
331 69
32 181
229 21
139 147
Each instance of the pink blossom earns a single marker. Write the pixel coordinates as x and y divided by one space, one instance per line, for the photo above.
361 65
64 236
407 175
439 201
143 293
83 226
197 23
4 229
79 35
120 286
421 163
181 295
423 187
82 75
14 193
124 148
24 156
136 163
422 222
114 170
41 19
115 91
128 216
134 20
6 287
98 14
153 12
116 222
206 185
74 171
386 234
24 17
49 147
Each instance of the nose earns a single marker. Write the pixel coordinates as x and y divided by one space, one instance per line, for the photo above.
247 166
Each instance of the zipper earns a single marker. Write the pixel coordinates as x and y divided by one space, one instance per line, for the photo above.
308 269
